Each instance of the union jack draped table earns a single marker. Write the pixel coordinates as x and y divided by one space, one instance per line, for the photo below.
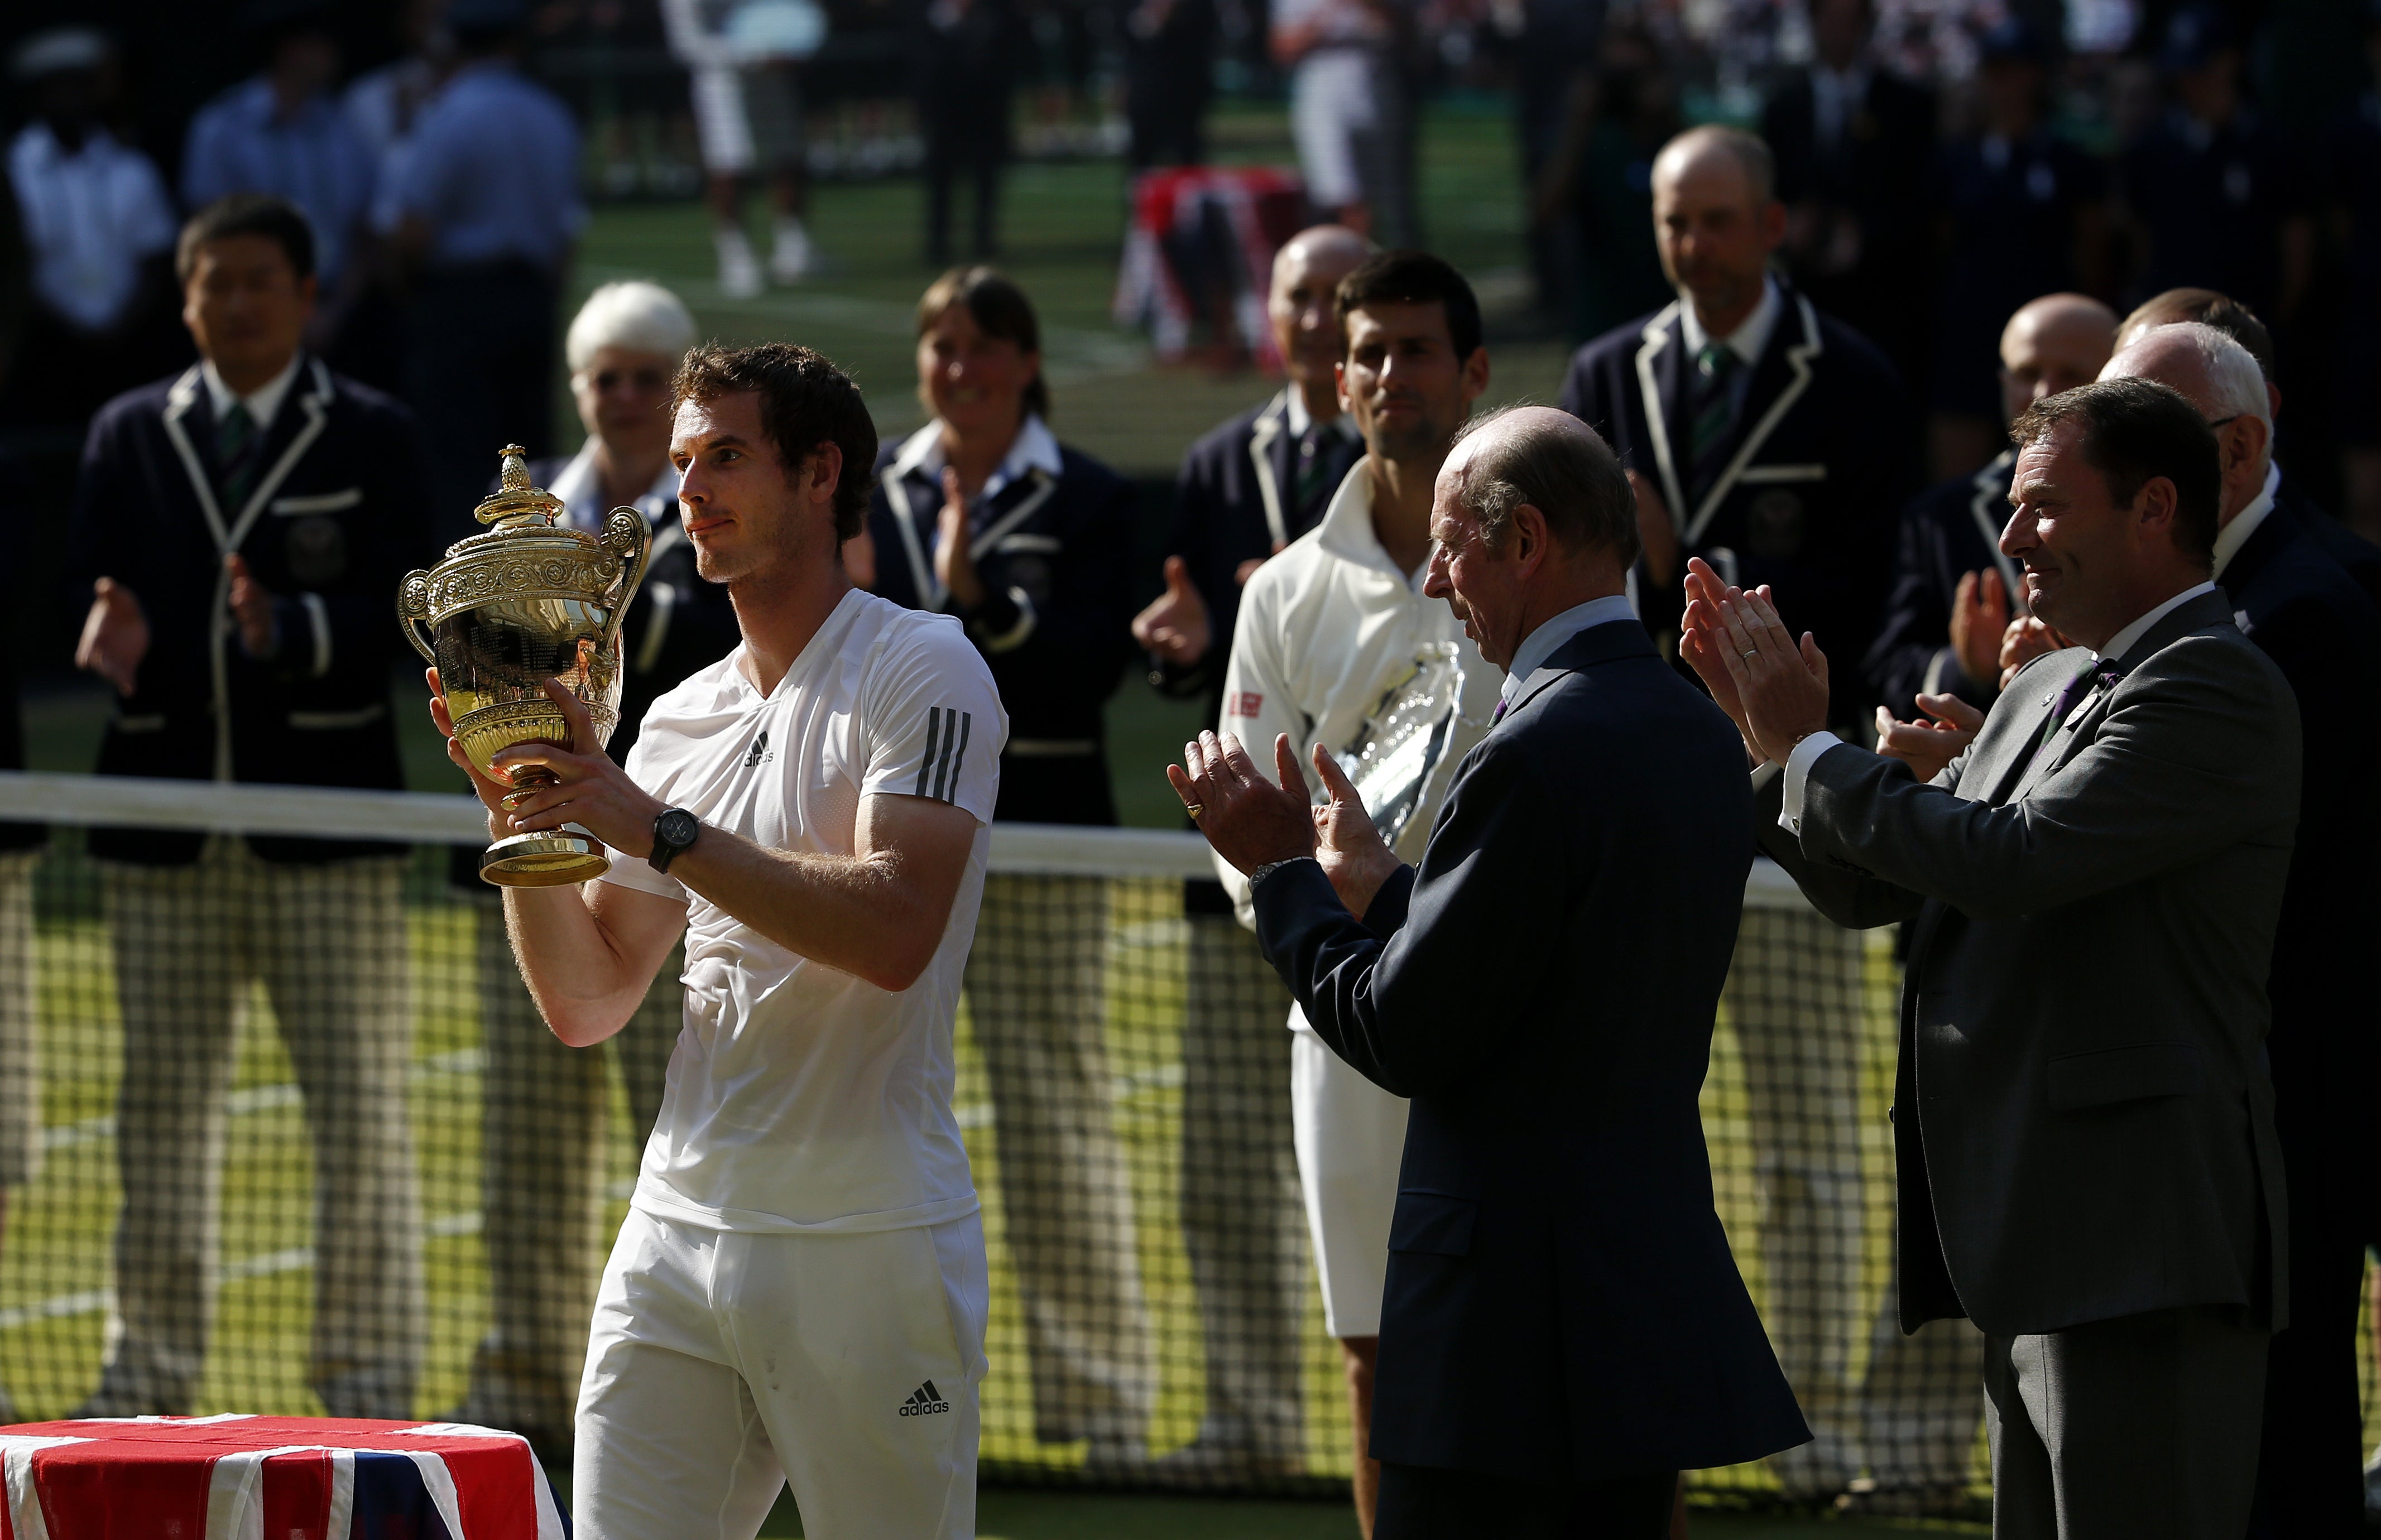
236 1477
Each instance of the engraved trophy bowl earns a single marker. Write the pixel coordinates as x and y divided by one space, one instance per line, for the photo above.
525 602
1404 756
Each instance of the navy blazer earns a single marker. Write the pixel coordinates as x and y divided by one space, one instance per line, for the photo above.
1948 530
2324 633
1561 1299
1236 500
2360 557
1055 553
338 515
1820 463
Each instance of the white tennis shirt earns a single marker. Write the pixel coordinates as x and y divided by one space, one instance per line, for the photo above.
801 1097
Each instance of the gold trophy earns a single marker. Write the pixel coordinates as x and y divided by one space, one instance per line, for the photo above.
507 610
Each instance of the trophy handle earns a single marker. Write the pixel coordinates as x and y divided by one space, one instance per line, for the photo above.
413 613
627 535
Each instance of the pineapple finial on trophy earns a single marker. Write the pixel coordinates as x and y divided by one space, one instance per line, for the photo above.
516 500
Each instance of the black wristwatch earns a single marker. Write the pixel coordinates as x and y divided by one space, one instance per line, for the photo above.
673 830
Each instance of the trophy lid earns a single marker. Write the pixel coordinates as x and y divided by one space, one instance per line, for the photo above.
517 502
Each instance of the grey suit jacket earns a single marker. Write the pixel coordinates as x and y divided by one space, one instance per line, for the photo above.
2083 1122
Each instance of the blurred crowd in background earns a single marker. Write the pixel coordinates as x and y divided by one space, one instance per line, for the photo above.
1943 161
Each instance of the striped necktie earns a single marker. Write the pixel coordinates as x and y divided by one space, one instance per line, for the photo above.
237 443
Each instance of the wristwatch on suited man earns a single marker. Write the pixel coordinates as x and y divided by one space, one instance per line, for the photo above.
675 830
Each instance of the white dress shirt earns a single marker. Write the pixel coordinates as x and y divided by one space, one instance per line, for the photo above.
2233 536
91 215
262 403
1807 752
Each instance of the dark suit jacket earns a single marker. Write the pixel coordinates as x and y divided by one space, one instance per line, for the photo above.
1554 1246
2324 635
337 516
2358 556
1948 530
1821 467
1055 553
1236 500
2083 1122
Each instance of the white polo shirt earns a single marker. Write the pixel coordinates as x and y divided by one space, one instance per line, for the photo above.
801 1097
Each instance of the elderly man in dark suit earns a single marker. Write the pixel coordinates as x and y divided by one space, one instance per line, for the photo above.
2321 630
1855 147
241 528
1778 444
1577 1251
2084 1125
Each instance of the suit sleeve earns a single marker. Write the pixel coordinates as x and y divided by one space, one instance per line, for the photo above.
1405 1012
1258 705
1850 899
2202 753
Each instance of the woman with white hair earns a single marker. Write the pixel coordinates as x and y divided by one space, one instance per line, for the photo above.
545 1129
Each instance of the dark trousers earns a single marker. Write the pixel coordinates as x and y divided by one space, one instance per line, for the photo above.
2145 1425
956 150
1421 1502
483 346
2308 1484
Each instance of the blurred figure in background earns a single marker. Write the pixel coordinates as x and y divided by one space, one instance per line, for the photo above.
546 1124
241 528
1246 490
963 56
2023 214
1953 590
1547 46
743 56
1347 111
100 232
2217 196
981 513
489 208
385 106
1777 443
282 131
1169 78
2355 164
1855 143
1602 178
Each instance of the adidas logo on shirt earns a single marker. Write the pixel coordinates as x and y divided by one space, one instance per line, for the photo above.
924 1401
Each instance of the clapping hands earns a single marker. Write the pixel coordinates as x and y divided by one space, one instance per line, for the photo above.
1253 821
1773 688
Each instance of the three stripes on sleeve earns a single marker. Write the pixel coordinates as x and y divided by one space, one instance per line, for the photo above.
947 731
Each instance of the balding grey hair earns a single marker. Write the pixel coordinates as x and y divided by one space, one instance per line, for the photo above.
1571 476
1750 151
2232 370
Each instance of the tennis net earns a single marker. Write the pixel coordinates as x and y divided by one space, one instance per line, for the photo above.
294 1141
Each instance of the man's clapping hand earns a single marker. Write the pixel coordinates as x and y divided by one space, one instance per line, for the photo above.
1980 615
1773 688
2026 639
1927 746
1253 821
115 635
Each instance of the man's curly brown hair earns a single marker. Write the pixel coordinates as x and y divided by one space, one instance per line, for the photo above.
805 402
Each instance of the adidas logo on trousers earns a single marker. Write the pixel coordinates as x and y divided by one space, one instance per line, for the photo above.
924 1401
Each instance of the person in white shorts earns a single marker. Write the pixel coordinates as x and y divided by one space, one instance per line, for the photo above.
1347 111
798 1293
1328 630
743 61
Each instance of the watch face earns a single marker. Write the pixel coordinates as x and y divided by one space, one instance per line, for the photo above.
677 826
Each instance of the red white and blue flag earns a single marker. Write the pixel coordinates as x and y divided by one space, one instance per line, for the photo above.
233 1477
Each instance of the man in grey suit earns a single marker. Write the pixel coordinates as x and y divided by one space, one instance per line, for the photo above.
2084 1131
